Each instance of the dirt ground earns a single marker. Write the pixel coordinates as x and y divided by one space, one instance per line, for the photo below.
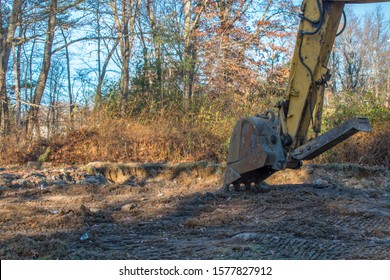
103 211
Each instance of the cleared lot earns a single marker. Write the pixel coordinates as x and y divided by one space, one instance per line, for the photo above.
319 212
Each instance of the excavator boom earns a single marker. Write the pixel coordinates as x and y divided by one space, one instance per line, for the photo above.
263 144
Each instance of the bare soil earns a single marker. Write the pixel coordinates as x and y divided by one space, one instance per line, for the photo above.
165 212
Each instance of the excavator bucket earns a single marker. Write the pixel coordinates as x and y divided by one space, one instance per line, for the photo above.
255 150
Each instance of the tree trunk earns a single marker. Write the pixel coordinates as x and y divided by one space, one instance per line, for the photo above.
71 105
187 54
98 96
34 110
387 103
190 26
6 36
16 69
103 71
125 26
156 45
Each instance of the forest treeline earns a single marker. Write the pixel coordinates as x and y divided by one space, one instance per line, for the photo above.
166 80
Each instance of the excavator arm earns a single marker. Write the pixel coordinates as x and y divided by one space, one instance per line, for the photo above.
309 72
265 143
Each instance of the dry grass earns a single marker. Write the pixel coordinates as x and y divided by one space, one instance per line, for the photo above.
168 134
158 138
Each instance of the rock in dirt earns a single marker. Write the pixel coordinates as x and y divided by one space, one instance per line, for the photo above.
33 175
367 183
218 211
85 236
34 164
128 207
19 183
46 165
58 183
94 210
321 182
244 237
94 179
3 181
84 209
61 176
44 187
64 212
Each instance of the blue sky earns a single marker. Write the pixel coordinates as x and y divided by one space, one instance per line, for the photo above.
360 9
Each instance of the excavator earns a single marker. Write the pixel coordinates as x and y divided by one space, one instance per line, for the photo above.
263 144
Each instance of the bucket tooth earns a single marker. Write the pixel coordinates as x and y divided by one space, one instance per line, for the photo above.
231 175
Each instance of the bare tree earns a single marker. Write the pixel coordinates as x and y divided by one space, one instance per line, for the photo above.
125 15
16 57
190 27
7 32
71 104
33 114
358 56
156 38
376 35
110 43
